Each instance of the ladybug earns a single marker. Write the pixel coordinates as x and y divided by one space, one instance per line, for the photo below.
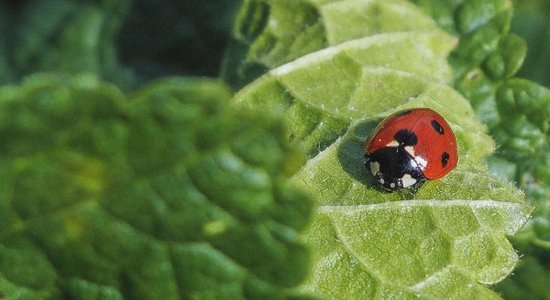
410 147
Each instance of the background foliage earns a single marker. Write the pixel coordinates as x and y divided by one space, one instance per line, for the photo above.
128 43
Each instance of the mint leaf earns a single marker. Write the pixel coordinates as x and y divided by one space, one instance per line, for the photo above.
397 244
323 92
268 34
166 194
448 239
514 109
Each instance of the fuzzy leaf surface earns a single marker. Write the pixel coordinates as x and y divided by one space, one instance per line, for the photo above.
270 33
446 240
167 194
516 110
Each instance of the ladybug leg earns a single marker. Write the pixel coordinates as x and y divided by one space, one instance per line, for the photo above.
411 191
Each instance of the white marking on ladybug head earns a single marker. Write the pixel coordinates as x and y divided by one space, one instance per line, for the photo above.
410 149
407 180
421 162
381 180
393 143
392 185
374 167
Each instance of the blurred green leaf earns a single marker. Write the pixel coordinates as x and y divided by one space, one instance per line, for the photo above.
531 21
530 280
168 194
507 58
125 42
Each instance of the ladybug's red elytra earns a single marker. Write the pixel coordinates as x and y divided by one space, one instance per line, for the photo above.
410 147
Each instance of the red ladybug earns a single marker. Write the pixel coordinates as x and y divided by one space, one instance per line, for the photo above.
409 147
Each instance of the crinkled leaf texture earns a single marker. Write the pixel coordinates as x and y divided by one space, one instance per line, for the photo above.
270 33
166 195
517 111
447 240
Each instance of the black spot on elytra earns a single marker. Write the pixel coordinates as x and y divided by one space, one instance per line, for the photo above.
437 127
444 159
405 138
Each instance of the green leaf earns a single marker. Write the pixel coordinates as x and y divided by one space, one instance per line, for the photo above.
424 244
268 34
446 240
507 59
63 36
480 26
323 92
125 42
163 195
515 110
524 136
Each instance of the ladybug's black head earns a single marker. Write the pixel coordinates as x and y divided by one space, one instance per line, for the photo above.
394 168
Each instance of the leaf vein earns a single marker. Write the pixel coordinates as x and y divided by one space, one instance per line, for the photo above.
481 203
